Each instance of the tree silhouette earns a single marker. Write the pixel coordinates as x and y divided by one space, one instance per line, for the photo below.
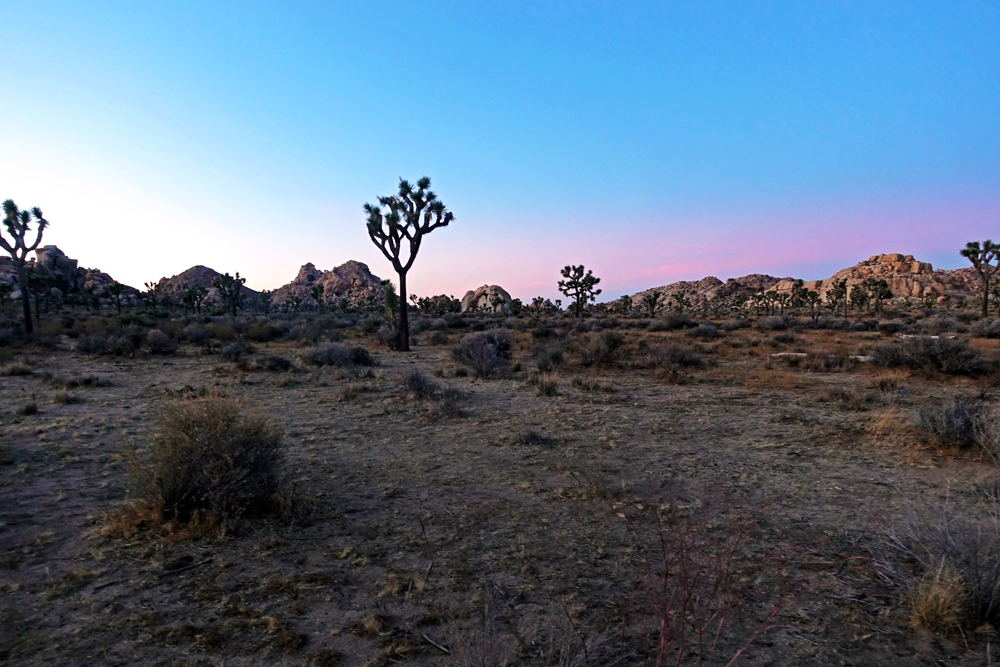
18 224
651 302
880 291
981 256
316 294
579 287
406 216
231 290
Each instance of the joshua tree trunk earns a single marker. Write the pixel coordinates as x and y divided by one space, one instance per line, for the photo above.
22 282
403 332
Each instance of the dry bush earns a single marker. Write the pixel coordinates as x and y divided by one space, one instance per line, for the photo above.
63 397
451 402
549 356
958 423
417 385
942 355
594 385
15 369
937 600
602 349
159 342
894 426
484 352
854 398
945 557
209 455
338 355
547 385
272 362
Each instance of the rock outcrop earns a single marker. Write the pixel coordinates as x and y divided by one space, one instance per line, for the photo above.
69 276
351 283
200 276
710 291
492 298
907 278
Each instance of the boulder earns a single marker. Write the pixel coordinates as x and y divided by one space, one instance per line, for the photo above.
484 297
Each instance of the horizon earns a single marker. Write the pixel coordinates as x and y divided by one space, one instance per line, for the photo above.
651 145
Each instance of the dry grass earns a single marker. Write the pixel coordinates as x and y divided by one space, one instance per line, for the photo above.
937 602
773 379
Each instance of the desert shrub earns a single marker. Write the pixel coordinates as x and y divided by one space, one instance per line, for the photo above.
549 356
105 344
338 355
931 354
603 349
422 324
819 362
63 397
15 369
159 342
209 455
418 385
547 385
451 402
663 356
221 332
437 338
29 408
273 362
543 331
738 323
593 385
236 350
455 321
386 335
194 333
783 338
671 322
948 561
835 323
260 333
986 328
893 327
853 398
484 352
533 438
705 331
958 423
772 323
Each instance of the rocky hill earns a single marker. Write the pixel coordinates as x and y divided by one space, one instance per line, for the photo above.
712 292
351 281
70 277
907 278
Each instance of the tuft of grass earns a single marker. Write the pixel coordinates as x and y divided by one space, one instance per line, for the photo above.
29 408
451 402
958 423
937 601
15 369
63 397
418 385
547 385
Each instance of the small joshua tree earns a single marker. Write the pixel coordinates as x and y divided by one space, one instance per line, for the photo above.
152 290
879 290
316 294
293 303
651 302
231 290
579 287
391 300
115 292
264 300
981 256
193 297
407 217
860 297
18 224
837 295
813 299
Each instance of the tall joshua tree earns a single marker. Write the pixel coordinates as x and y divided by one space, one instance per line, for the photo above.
402 220
18 224
579 287
981 256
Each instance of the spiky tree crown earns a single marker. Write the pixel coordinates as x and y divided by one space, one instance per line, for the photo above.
408 215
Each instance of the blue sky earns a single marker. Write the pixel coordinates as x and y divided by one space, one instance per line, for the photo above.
652 142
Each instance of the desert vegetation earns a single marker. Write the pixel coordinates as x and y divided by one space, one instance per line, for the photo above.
787 480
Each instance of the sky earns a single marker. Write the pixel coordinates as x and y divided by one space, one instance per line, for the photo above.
651 142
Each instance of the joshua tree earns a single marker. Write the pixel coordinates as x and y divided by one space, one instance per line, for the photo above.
264 300
797 298
391 301
231 289
115 292
782 299
860 296
981 256
293 303
316 294
18 224
651 302
837 295
579 287
681 302
812 298
880 291
152 289
408 215
516 307
193 297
